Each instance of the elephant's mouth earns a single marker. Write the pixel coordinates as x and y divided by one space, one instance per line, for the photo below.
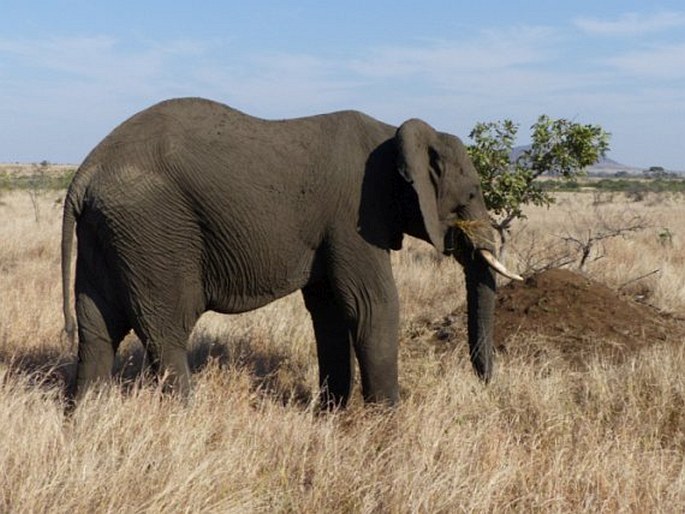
478 235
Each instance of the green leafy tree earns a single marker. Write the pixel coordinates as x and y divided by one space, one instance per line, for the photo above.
560 148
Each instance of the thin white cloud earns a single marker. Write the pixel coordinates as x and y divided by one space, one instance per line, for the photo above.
665 62
632 24
73 90
491 51
74 55
517 73
491 72
93 59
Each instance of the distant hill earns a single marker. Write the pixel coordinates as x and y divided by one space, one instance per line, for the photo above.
603 167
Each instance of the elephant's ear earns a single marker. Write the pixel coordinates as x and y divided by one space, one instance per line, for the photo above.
417 158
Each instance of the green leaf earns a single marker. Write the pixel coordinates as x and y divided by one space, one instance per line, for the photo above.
559 148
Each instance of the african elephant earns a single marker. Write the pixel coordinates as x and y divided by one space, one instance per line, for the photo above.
191 206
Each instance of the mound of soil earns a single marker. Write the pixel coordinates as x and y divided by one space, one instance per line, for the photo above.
565 312
579 315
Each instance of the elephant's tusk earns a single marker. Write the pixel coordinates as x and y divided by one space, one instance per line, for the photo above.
498 266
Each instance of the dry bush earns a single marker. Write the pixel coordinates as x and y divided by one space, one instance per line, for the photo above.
616 261
541 437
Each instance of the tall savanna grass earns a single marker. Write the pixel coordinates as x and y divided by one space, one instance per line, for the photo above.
542 436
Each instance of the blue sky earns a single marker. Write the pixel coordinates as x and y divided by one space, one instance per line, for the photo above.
72 70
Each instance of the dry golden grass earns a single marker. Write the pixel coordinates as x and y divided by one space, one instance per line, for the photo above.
541 437
618 261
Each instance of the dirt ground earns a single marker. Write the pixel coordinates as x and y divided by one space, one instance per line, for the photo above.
572 315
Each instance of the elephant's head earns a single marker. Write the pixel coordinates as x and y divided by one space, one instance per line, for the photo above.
451 214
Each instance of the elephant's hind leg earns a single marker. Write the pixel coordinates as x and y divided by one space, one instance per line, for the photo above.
100 330
164 334
333 343
169 360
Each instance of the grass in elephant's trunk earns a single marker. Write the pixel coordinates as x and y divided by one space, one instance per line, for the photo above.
475 231
479 235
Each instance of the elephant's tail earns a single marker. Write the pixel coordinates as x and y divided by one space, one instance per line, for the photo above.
68 229
73 205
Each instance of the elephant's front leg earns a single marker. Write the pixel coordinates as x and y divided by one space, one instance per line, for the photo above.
165 339
169 360
369 296
376 347
333 345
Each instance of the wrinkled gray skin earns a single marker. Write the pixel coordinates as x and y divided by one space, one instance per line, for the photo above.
191 206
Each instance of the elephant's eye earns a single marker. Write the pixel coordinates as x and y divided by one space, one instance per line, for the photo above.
474 192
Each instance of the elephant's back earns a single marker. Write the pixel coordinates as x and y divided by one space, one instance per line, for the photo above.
202 147
183 127
157 130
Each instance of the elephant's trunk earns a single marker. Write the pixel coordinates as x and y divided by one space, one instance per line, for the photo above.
480 298
473 247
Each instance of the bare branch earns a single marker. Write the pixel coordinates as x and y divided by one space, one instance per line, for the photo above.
637 279
608 228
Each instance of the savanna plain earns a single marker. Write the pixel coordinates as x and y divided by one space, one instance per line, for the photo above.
575 420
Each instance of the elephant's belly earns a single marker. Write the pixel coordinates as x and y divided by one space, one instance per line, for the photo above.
233 288
234 303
